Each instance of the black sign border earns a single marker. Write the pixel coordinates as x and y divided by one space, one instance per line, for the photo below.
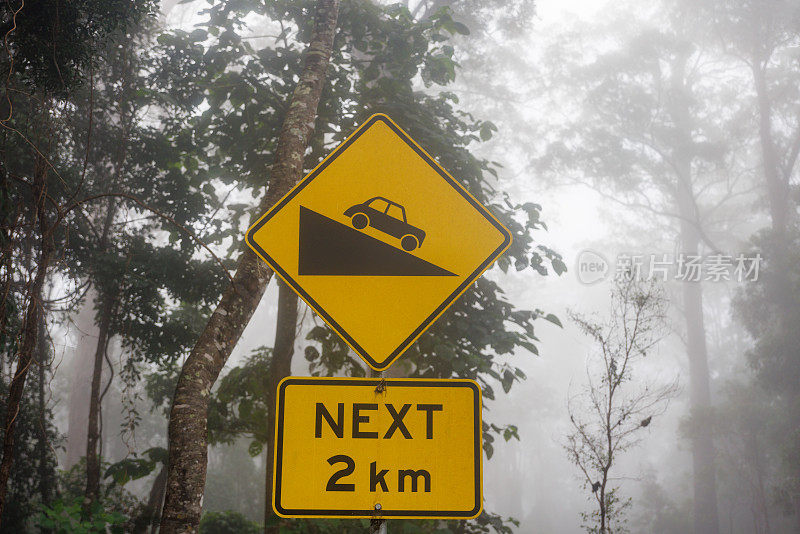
406 343
384 513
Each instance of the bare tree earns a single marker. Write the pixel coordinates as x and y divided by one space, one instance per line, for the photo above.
608 416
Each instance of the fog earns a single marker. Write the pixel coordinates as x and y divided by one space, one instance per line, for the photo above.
660 142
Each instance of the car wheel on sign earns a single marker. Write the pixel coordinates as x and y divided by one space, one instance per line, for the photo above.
409 242
360 221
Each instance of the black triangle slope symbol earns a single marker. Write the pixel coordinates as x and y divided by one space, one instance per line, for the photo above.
330 248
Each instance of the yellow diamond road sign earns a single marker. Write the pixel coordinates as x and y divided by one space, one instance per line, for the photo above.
361 447
379 240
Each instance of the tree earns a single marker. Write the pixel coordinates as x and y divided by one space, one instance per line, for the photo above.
372 70
32 480
106 161
114 511
759 35
188 417
767 419
608 418
760 38
652 135
135 248
44 62
280 367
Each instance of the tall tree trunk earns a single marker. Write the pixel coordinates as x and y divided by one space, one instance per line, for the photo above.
42 454
703 453
107 293
7 215
188 447
706 520
86 333
30 327
777 188
760 502
280 367
778 284
92 490
107 298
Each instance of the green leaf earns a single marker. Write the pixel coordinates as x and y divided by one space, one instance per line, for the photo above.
489 449
553 319
486 131
311 353
558 266
129 469
510 432
255 448
157 454
507 381
198 35
460 28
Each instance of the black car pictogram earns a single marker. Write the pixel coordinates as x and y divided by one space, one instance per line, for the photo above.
388 217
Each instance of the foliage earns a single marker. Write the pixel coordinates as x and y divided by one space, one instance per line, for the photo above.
762 307
770 415
135 468
67 518
114 498
26 477
382 55
54 54
53 42
241 403
134 241
227 523
154 138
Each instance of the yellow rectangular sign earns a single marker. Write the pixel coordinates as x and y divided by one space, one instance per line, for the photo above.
371 447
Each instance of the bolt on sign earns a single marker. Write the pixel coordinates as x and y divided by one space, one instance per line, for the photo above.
379 240
371 447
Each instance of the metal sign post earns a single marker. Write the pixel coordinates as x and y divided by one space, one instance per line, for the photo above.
377 526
